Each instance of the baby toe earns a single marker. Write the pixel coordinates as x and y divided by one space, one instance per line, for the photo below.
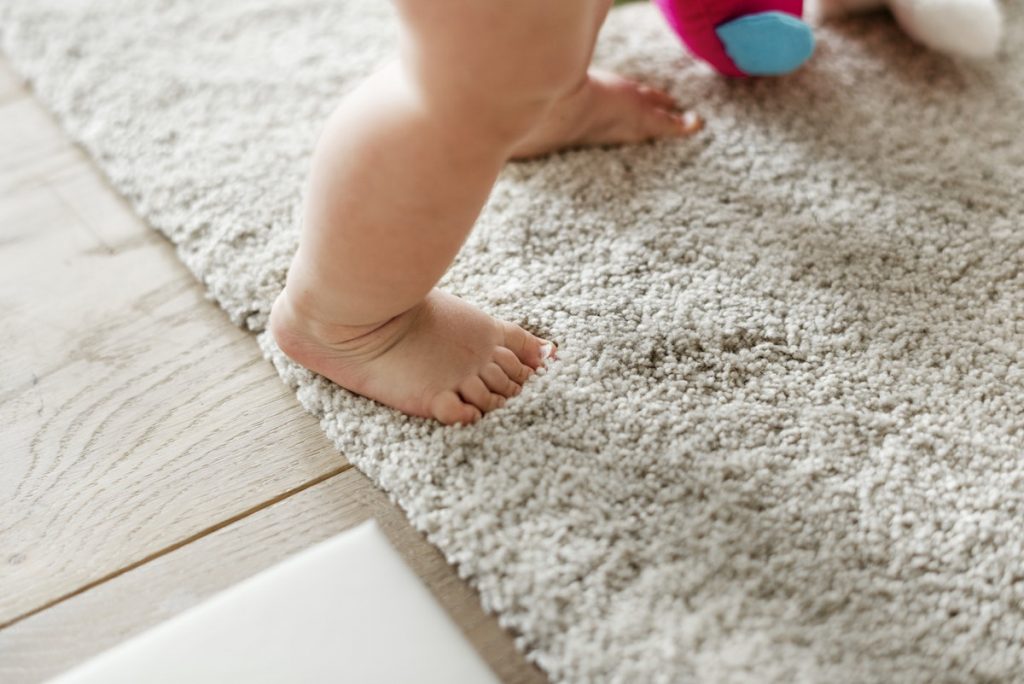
498 381
656 123
656 97
529 349
511 365
449 409
474 391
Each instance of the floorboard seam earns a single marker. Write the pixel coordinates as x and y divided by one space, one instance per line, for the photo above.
179 544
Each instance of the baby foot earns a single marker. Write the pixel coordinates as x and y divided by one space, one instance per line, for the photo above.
608 110
442 359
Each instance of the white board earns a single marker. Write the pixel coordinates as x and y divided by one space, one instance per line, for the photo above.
345 610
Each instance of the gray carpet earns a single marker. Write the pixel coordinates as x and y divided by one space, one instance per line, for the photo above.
785 439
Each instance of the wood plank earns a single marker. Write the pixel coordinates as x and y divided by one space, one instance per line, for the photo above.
71 632
135 415
10 83
140 426
32 145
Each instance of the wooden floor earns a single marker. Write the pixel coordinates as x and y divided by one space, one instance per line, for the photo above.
149 455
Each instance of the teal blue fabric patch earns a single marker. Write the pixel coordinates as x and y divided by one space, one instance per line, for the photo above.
767 43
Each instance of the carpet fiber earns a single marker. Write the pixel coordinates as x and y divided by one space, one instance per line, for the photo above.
785 438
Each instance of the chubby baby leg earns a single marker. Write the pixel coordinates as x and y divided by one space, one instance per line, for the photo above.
400 175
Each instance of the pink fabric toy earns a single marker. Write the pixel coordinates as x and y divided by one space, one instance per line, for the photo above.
743 37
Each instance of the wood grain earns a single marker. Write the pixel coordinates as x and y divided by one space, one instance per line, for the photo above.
10 85
66 634
134 414
33 148
150 457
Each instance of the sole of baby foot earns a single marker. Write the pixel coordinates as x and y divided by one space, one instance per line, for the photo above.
443 359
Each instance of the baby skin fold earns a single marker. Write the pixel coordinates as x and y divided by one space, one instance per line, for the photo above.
400 174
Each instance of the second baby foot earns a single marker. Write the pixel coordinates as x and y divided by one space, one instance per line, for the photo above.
442 359
607 110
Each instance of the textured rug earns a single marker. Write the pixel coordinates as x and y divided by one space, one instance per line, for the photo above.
785 438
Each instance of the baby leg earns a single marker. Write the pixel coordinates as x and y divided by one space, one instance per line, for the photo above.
398 178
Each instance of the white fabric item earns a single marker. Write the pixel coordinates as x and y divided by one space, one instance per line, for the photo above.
967 28
783 440
961 28
345 610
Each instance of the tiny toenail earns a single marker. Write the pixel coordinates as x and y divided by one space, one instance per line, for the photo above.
547 351
691 121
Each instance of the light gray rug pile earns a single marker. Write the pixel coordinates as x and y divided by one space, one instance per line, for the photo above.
785 439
